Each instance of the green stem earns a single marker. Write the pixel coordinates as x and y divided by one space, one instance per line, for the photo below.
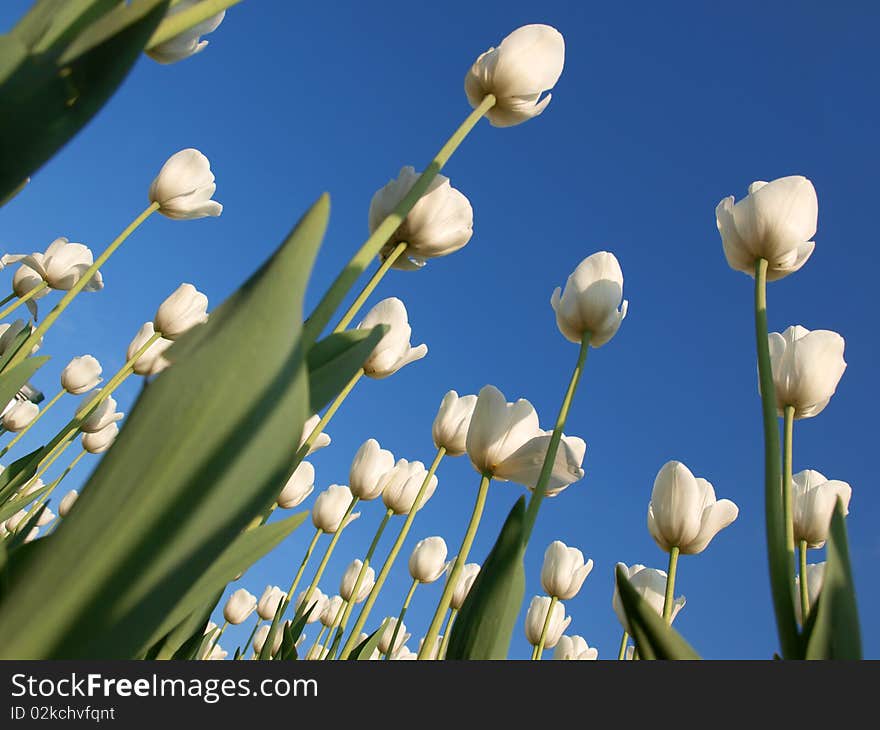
788 434
621 653
317 642
303 451
86 277
216 639
444 644
400 617
539 649
780 558
379 237
327 553
352 640
805 590
668 599
22 299
549 460
181 22
7 299
356 305
302 565
27 428
44 498
460 560
325 647
250 638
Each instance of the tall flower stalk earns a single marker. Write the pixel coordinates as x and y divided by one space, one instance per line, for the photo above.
328 552
23 299
400 617
669 595
539 647
6 449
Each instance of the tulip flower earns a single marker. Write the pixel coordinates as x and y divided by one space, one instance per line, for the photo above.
153 361
440 223
466 579
300 485
267 606
67 502
403 484
99 441
239 606
428 560
263 633
564 570
332 608
20 415
650 584
330 508
217 653
102 416
316 598
188 43
9 334
394 350
813 500
388 631
527 63
349 580
31 487
807 366
10 258
81 374
63 264
12 523
375 654
434 654
404 654
452 422
545 622
184 186
46 516
592 302
28 285
369 470
320 441
180 312
815 581
574 648
775 221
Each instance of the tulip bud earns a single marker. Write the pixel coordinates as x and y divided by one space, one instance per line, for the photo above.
564 570
152 362
67 502
100 441
332 607
574 648
184 186
298 487
20 416
102 416
190 41
267 606
650 584
330 507
440 223
536 616
466 579
452 421
13 522
813 499
393 351
369 470
428 560
807 366
317 602
180 312
25 279
349 579
402 486
263 633
320 441
775 221
683 512
815 581
387 632
239 606
81 374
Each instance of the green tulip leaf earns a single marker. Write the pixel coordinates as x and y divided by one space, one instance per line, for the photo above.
50 22
291 635
12 380
18 473
365 649
11 507
334 360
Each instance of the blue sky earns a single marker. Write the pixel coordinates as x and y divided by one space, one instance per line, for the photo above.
661 111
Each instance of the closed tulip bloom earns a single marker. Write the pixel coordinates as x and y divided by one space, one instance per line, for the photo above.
322 439
815 581
13 522
330 508
349 579
46 516
592 300
153 361
63 264
402 486
267 606
99 441
527 63
452 422
394 350
331 610
20 416
466 578
564 570
440 223
263 634
428 560
813 499
239 606
81 374
775 221
300 485
190 41
387 632
180 312
369 470
537 615
184 186
650 584
317 599
217 654
807 366
404 654
574 648
104 414
683 511
25 279
67 502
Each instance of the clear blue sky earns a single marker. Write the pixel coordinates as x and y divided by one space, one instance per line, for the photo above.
661 111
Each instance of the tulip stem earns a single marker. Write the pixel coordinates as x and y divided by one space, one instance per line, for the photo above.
325 647
317 642
327 553
7 299
780 557
787 439
352 640
458 565
379 237
303 451
539 649
400 617
621 653
216 639
668 599
302 565
805 589
22 299
250 638
356 305
81 284
444 644
27 428
550 458
44 498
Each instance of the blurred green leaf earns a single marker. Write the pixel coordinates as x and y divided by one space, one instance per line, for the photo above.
50 22
11 381
10 508
18 473
184 20
334 360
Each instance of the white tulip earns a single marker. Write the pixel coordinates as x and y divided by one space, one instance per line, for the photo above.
574 648
25 279
362 637
332 606
263 634
402 486
46 516
190 41
807 366
267 606
9 333
393 351
775 221
428 560
815 581
99 441
317 598
683 512
527 63
564 570
32 487
813 499
300 485
239 606
434 654
330 507
20 415
536 617
466 578
322 439
102 416
349 579
67 502
180 312
81 374
452 422
152 362
650 584
63 264
404 654
217 653
184 186
369 470
592 300
13 522
387 632
10 258
440 223
33 534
